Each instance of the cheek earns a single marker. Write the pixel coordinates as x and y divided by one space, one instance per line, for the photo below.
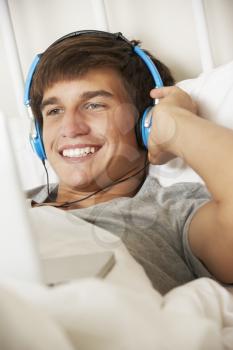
122 135
124 120
101 125
48 136
45 136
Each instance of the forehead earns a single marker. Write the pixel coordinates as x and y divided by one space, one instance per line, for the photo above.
105 79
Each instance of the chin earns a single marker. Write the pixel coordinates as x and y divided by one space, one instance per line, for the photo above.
75 182
78 181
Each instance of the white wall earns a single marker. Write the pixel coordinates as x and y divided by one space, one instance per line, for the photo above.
166 27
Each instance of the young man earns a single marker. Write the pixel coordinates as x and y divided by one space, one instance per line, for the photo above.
87 94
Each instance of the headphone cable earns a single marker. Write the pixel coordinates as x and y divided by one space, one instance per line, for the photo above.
67 204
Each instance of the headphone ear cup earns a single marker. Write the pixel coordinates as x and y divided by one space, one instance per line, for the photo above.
37 142
143 127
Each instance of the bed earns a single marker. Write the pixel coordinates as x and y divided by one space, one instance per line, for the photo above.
123 311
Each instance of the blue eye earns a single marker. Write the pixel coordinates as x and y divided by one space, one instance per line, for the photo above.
94 106
54 111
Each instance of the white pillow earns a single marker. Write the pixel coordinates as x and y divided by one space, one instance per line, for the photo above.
213 92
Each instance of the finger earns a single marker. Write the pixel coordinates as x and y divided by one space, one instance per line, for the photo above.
164 157
160 158
153 153
161 92
153 159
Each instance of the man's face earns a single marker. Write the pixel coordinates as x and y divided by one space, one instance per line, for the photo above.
88 130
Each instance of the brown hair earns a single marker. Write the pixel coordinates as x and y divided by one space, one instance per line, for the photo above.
74 56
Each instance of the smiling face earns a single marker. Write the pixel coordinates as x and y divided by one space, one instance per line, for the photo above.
89 130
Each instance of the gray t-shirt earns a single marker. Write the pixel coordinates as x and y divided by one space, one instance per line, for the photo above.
154 227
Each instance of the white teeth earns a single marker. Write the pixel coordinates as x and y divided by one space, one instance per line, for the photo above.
78 152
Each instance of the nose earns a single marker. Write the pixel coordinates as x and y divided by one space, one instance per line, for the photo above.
74 124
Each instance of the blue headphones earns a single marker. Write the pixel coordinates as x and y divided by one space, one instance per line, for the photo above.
144 124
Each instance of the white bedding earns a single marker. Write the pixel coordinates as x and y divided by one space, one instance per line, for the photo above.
121 312
98 315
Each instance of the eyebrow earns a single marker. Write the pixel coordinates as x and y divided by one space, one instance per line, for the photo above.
49 101
84 96
90 94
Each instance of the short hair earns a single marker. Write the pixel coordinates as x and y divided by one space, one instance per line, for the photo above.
74 56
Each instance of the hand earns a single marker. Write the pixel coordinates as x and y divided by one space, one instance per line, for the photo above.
164 128
174 96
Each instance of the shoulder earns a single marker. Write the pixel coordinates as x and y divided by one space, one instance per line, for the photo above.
40 193
177 192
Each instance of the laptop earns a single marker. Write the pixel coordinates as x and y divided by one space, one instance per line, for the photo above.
19 257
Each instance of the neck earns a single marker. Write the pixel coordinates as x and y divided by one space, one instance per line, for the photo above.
131 183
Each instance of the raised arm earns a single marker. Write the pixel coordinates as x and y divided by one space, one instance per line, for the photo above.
208 149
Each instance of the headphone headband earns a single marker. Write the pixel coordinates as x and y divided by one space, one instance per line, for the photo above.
117 35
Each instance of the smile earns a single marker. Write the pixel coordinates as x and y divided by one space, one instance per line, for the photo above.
79 152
